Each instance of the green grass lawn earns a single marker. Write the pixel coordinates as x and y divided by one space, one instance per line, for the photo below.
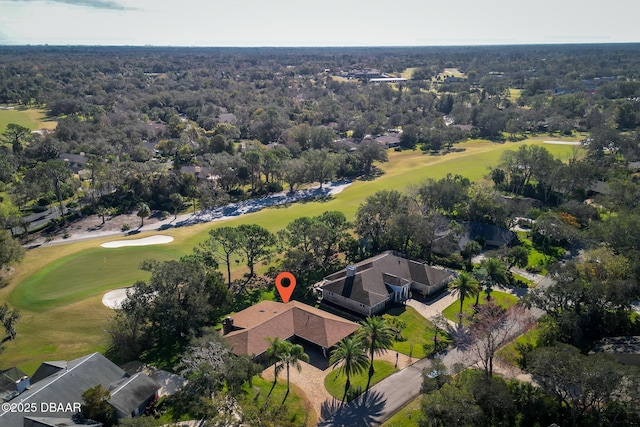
59 288
538 261
418 333
407 416
300 410
510 352
500 298
85 274
334 382
29 118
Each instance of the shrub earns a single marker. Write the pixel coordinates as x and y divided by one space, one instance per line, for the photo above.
274 187
126 227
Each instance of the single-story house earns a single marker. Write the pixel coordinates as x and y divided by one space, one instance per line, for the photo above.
600 187
390 140
200 172
490 235
625 350
247 331
370 286
12 382
63 383
76 162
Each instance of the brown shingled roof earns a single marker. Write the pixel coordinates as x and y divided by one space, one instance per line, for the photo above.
270 319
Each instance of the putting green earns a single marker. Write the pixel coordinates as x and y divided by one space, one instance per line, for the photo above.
59 288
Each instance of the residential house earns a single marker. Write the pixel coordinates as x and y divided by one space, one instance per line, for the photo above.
12 382
488 235
76 162
371 286
247 331
390 140
62 384
200 172
625 350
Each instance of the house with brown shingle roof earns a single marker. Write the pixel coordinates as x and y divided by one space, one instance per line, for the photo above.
247 331
371 286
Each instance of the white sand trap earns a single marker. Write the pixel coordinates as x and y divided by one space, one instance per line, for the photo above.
338 188
145 241
563 142
114 298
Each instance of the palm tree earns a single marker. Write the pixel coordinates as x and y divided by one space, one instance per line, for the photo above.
350 358
481 276
377 336
292 355
464 286
276 349
143 212
496 273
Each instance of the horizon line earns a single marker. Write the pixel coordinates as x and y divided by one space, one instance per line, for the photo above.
523 44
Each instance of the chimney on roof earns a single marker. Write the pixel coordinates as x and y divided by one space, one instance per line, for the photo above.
227 325
22 384
351 270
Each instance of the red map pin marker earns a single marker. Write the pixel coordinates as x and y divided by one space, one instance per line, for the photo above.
285 291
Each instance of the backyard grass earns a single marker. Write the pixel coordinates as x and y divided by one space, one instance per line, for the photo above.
510 352
528 283
334 382
500 298
299 408
58 288
29 118
407 416
418 333
538 261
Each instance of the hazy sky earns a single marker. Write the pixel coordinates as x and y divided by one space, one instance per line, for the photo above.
317 23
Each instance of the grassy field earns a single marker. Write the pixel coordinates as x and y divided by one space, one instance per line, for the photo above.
407 416
510 352
418 333
299 408
500 298
58 288
30 118
334 383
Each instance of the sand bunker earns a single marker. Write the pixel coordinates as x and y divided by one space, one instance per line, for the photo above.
114 298
152 240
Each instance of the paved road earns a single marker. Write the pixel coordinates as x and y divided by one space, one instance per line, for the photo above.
37 220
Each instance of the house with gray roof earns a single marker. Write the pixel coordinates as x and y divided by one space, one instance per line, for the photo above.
625 349
55 394
371 286
76 162
12 382
489 235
